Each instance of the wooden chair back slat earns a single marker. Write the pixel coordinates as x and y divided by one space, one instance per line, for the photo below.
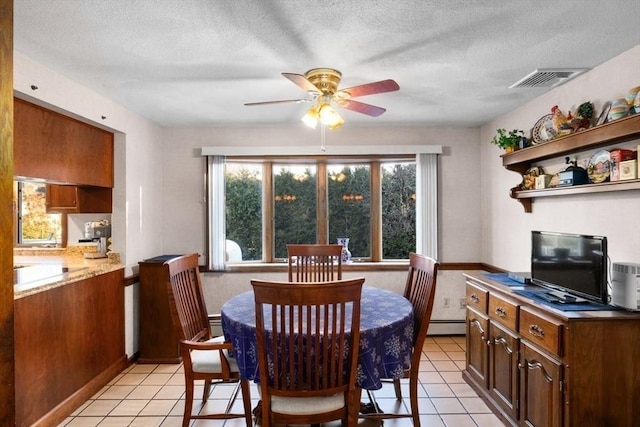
314 263
420 291
191 324
188 300
308 345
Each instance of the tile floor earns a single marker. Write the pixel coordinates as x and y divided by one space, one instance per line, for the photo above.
153 395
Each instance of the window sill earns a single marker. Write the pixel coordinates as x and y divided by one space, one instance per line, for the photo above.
400 265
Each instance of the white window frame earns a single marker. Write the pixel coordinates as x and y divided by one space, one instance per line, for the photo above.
426 189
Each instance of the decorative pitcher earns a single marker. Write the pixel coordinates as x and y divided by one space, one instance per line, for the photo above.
346 254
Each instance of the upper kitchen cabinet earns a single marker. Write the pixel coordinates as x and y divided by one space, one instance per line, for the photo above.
78 199
57 148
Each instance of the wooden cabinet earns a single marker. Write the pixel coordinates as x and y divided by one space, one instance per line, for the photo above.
503 368
57 148
477 354
69 343
78 199
158 340
541 389
538 366
619 131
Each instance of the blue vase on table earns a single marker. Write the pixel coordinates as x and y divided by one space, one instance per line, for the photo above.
346 254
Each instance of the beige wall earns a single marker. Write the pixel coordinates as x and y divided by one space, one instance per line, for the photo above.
459 195
506 228
159 199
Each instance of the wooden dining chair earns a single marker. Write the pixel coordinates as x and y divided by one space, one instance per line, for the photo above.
307 348
420 290
204 358
314 263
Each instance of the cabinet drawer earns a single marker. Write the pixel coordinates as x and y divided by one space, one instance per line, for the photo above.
503 311
541 331
477 297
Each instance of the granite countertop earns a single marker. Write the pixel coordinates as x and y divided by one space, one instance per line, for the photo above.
38 270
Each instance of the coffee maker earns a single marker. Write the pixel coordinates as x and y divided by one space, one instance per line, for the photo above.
94 230
100 233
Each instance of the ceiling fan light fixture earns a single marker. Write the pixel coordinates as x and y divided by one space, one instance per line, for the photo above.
330 117
311 117
321 84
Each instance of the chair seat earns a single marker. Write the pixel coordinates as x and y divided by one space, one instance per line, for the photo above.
207 361
307 405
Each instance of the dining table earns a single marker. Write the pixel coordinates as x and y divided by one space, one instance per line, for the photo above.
386 335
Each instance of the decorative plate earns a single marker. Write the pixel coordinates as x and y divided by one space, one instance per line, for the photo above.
538 133
599 166
602 118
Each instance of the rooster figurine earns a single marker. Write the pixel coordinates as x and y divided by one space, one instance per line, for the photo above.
561 123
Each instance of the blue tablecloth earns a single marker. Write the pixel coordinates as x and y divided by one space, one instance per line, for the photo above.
386 335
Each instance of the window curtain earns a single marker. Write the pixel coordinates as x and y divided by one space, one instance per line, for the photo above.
216 211
427 205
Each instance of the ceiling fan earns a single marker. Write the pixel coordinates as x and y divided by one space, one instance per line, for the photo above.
322 85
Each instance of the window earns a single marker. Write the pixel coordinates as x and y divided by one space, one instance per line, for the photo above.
33 225
270 202
295 206
349 195
395 213
398 209
243 211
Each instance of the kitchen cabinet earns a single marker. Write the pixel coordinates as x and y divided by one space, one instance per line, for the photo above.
69 343
541 388
57 148
609 134
477 354
78 199
503 367
534 365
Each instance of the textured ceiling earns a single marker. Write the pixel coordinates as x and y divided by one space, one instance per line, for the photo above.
196 62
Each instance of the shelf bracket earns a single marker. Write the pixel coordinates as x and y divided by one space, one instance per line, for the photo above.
526 203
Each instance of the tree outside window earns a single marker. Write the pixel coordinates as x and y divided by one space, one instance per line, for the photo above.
294 207
302 201
350 207
34 225
398 210
243 216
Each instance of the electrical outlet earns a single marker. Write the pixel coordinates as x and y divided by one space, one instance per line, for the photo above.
446 303
463 303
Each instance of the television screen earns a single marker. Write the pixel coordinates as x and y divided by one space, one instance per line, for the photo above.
571 263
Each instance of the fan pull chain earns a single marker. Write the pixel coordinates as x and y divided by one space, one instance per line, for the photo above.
323 146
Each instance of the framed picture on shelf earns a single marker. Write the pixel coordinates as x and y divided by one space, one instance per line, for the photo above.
602 118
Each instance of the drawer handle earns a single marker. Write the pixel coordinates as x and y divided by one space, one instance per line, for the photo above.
474 298
536 331
501 312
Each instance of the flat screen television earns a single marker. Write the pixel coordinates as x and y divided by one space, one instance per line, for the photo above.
573 266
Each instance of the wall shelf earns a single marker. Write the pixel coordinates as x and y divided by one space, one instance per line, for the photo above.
616 132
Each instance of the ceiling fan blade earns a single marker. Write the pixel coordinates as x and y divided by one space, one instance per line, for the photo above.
372 88
284 101
302 81
361 107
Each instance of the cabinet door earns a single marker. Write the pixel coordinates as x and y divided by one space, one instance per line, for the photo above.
477 354
61 198
74 199
503 368
55 147
541 388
